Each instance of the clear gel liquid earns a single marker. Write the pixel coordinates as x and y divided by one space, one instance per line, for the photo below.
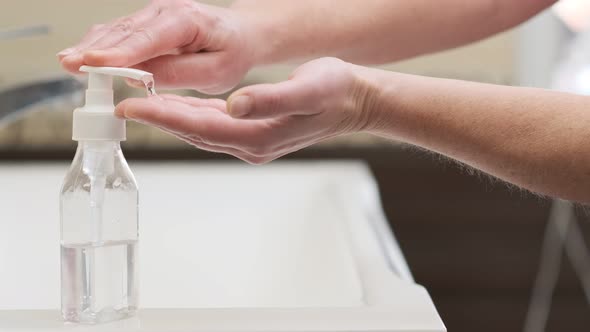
100 281
150 86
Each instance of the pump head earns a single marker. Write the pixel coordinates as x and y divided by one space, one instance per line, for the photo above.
96 120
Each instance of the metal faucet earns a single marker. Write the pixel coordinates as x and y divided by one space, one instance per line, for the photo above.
15 102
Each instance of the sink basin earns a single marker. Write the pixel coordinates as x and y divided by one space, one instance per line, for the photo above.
225 247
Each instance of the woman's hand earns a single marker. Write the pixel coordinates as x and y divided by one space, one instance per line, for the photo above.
322 99
185 44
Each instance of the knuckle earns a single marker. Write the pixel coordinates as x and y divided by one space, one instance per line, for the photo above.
193 18
145 35
190 37
188 31
124 25
268 103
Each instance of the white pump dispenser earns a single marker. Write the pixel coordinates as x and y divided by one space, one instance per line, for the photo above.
95 124
99 210
96 121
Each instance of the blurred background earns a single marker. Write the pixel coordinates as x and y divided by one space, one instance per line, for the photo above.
483 249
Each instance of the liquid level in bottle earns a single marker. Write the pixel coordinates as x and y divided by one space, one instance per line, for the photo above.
99 281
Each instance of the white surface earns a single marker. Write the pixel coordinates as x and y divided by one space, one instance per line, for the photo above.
280 247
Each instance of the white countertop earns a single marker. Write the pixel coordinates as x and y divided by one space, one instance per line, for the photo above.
295 244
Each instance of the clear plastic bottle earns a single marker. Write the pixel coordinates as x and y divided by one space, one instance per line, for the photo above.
99 236
99 211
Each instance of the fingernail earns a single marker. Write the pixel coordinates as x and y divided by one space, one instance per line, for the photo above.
72 57
65 52
98 54
240 106
120 111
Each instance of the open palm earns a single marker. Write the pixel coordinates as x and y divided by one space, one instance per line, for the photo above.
263 122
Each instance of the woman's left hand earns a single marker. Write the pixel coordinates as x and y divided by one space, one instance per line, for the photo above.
322 99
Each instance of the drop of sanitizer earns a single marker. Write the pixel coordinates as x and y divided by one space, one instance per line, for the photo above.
150 86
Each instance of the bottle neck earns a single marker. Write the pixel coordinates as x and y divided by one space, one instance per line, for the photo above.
95 122
99 157
99 146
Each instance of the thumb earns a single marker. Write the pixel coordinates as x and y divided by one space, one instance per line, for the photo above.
261 101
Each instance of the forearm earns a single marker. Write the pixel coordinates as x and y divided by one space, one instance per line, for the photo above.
376 31
537 139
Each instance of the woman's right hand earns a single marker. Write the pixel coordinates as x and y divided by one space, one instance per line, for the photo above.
185 44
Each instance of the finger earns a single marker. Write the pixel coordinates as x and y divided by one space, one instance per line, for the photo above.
213 148
292 97
131 46
205 124
95 32
192 139
208 147
122 28
200 71
70 58
106 35
217 104
288 136
100 30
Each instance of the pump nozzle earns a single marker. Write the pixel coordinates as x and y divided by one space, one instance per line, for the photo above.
99 76
96 121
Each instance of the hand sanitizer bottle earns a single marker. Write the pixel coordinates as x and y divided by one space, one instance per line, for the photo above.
99 211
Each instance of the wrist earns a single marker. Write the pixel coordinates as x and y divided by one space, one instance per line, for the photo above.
370 102
261 34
